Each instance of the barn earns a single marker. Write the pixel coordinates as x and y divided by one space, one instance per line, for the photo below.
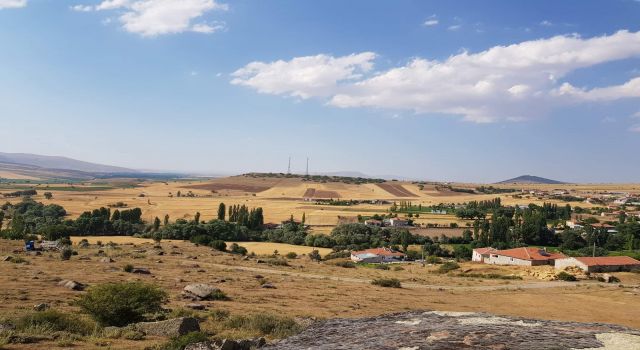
599 263
523 256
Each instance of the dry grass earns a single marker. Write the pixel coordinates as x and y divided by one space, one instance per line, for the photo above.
266 248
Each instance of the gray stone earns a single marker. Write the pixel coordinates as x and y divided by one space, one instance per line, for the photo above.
73 285
141 270
268 286
441 330
106 260
5 327
228 344
195 306
170 328
199 291
7 258
41 307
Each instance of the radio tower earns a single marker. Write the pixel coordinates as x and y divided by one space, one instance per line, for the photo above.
289 166
307 173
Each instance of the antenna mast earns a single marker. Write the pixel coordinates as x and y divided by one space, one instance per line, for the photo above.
289 166
307 173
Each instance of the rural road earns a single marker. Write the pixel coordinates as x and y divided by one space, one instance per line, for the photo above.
530 285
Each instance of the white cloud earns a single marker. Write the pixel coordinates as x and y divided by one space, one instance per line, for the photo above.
82 8
12 4
431 21
513 82
454 27
636 114
304 77
546 23
157 17
635 128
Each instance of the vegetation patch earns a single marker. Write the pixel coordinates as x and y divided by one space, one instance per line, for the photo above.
387 282
265 325
448 266
489 276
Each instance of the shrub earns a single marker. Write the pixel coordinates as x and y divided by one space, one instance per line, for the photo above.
291 255
381 267
219 315
119 304
448 266
346 264
398 268
50 321
563 276
337 255
387 282
432 259
219 245
277 262
127 268
182 342
66 253
236 249
265 324
315 255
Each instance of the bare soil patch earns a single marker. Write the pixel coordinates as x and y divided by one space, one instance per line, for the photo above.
396 190
228 186
313 193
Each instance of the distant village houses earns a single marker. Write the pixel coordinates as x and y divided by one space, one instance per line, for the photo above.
523 256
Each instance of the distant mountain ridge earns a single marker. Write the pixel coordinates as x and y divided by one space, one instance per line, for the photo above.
57 162
530 179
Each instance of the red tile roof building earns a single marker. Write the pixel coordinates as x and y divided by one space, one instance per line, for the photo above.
599 263
524 256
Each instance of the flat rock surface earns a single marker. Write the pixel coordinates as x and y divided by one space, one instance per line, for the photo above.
418 330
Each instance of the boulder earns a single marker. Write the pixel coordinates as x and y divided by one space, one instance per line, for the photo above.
41 307
106 260
141 270
73 285
170 328
228 344
195 306
268 286
199 291
7 258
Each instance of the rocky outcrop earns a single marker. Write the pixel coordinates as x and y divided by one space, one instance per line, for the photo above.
199 291
439 330
170 328
73 285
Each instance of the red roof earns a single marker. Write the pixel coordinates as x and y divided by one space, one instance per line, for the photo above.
486 250
602 225
379 251
529 253
608 260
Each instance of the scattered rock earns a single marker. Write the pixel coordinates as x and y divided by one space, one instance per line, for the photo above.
106 260
228 344
258 277
7 258
139 251
84 257
268 286
73 285
34 253
41 307
141 270
201 270
4 327
196 306
199 291
170 328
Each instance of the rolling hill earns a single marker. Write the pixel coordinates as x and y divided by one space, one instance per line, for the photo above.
56 162
532 180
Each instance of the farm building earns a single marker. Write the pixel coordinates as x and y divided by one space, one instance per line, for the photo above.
524 256
373 222
376 255
395 222
480 254
599 263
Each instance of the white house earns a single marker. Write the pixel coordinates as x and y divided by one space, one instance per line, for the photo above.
377 255
480 254
396 222
523 256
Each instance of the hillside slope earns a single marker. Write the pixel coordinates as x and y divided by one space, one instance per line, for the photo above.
530 179
56 162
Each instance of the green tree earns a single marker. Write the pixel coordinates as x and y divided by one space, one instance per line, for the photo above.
156 224
48 195
196 218
304 218
166 220
222 210
119 304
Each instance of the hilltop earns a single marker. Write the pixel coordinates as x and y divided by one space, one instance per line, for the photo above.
530 179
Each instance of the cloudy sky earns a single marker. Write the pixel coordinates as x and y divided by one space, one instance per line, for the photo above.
439 90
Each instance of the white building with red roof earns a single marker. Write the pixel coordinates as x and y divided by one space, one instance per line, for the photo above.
480 254
523 256
599 263
377 255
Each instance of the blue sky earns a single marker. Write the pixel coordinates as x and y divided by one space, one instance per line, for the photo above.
446 90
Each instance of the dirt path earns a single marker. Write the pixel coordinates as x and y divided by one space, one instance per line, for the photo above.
529 285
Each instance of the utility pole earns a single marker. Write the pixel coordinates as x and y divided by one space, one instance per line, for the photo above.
307 172
289 167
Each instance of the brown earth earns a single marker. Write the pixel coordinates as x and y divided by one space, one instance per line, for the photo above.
313 193
396 190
